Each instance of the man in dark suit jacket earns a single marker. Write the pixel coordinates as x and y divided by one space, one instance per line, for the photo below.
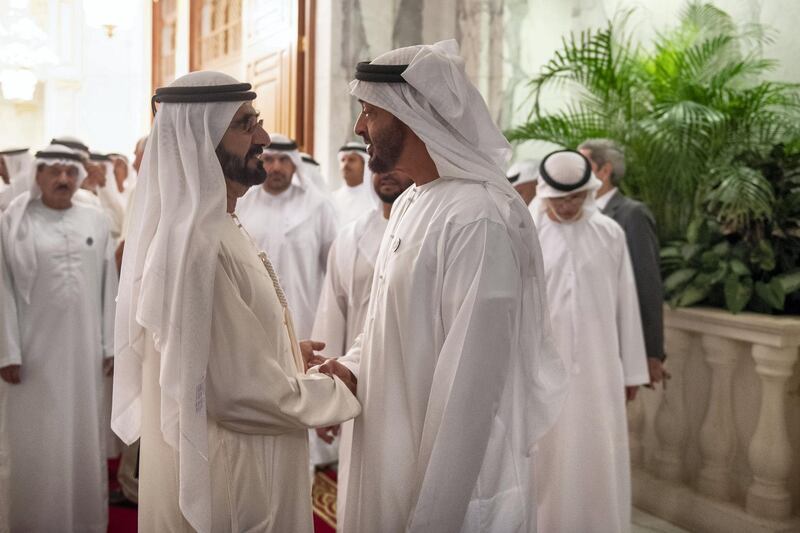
608 164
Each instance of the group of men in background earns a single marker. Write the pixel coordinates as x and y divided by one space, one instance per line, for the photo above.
66 213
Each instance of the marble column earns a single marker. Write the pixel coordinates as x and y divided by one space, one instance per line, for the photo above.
770 453
670 421
717 435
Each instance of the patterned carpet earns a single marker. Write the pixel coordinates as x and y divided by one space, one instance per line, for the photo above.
323 493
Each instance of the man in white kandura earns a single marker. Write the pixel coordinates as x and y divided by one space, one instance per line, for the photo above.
458 374
209 371
293 221
57 317
356 196
345 297
15 174
582 466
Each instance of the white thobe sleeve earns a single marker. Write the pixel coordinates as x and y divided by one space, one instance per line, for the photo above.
248 390
481 302
110 286
352 359
330 320
10 344
629 325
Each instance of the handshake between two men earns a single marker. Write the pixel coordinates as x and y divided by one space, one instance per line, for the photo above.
330 367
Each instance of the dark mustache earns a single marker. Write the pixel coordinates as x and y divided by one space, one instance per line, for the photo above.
254 151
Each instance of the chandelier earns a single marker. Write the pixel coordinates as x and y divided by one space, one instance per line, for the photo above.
108 14
24 52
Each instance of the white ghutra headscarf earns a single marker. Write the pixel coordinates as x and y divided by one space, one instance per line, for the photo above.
167 280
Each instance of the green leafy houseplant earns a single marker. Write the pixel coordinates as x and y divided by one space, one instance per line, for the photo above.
684 107
738 257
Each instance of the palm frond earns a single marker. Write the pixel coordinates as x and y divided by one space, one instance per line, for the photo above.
742 195
566 128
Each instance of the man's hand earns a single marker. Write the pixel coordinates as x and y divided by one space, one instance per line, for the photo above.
310 358
10 374
630 393
332 367
108 366
327 434
657 371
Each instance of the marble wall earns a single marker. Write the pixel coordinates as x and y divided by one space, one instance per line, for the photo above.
504 43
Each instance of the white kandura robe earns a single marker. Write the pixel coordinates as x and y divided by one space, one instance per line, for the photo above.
438 446
353 202
259 408
340 316
56 443
582 465
296 228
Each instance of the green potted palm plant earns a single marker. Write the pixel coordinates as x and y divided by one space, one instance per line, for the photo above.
699 122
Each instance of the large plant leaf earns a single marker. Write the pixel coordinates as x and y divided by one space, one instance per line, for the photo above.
738 292
678 279
692 294
790 281
771 293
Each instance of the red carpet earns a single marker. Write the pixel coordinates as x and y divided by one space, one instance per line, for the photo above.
120 519
123 519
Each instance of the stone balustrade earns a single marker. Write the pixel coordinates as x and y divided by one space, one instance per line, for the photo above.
718 449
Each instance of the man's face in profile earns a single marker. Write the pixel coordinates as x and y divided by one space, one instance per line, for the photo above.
384 134
239 150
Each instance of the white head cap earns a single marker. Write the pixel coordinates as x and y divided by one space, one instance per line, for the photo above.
565 172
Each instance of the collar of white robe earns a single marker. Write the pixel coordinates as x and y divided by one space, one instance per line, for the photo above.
234 92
